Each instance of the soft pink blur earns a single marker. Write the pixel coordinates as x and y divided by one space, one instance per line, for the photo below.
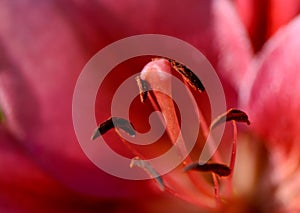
45 44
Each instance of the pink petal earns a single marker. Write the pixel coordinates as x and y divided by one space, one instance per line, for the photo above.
42 59
271 89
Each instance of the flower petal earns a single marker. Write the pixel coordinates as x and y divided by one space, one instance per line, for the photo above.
281 13
271 89
263 18
41 61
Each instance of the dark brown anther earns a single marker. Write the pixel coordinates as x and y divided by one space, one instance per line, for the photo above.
231 115
217 168
143 88
114 122
188 75
2 116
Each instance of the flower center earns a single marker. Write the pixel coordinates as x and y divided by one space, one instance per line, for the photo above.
206 185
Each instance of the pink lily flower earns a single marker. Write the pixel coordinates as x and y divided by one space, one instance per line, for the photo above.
44 46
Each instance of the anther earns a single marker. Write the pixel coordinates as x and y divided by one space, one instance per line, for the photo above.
2 116
231 115
136 161
143 88
114 122
189 76
219 169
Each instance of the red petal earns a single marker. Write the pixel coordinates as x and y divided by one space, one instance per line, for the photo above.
204 24
263 18
25 188
281 13
254 14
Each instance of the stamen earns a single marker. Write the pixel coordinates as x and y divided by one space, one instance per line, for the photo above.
187 74
143 88
216 188
233 155
233 152
155 75
230 115
217 168
136 161
233 115
114 122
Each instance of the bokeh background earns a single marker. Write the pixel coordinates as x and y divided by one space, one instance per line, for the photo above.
44 45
